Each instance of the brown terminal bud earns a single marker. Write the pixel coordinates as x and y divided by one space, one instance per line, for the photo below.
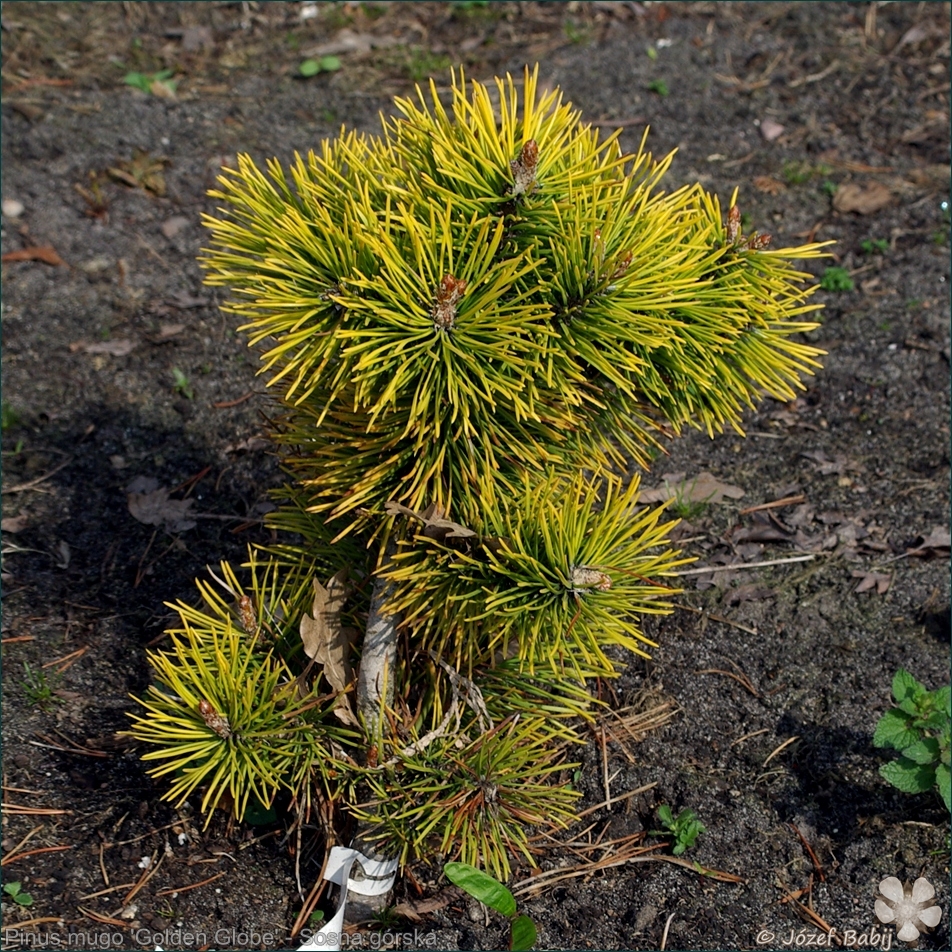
733 225
583 576
524 168
447 297
758 242
217 722
249 618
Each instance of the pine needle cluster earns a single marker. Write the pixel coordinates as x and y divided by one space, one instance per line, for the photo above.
475 323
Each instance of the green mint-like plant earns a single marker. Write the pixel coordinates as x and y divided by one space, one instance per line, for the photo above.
836 279
920 728
685 828
479 885
475 323
15 892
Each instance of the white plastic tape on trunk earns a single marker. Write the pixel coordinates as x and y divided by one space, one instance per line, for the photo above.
378 879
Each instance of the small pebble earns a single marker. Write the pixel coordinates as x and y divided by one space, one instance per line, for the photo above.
12 208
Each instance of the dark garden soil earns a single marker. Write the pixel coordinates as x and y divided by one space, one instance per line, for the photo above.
118 366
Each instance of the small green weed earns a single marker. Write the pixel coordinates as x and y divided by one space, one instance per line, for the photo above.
684 506
490 892
874 246
836 279
652 52
829 187
8 416
920 728
423 63
15 892
685 828
658 86
158 84
316 918
326 64
37 688
576 34
687 509
385 919
181 384
796 173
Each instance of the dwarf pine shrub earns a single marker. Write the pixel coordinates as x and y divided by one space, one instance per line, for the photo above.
474 323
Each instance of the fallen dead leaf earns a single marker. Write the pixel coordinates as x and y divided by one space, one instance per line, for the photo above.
863 199
149 504
748 593
183 301
701 488
918 33
347 41
172 226
771 130
45 253
115 348
14 524
435 526
329 643
416 909
838 465
771 186
248 446
761 533
167 331
937 543
870 580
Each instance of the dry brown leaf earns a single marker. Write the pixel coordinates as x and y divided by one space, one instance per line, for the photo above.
772 186
172 226
116 348
416 909
748 593
863 199
701 488
169 330
838 466
45 253
14 524
149 504
435 526
938 542
248 446
870 580
347 41
329 643
183 301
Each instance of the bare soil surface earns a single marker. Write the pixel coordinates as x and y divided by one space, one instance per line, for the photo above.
118 366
